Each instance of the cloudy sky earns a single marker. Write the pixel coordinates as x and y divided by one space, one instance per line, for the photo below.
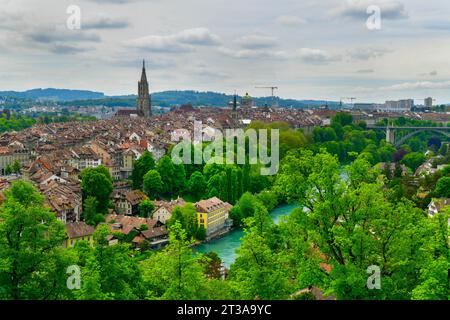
311 49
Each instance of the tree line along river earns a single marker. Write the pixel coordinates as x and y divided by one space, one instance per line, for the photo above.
226 246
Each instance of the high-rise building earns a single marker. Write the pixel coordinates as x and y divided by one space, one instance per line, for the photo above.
429 103
399 106
144 102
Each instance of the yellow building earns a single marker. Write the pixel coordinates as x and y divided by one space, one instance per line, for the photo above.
213 215
78 231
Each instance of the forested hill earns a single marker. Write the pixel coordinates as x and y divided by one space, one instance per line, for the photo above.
53 94
166 98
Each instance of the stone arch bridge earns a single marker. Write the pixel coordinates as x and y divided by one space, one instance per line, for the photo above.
391 137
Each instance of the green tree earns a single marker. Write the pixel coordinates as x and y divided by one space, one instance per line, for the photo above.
8 170
244 208
110 272
187 217
179 179
342 118
443 188
444 149
90 215
353 225
413 160
153 184
434 260
146 209
197 185
166 170
16 167
33 264
174 273
97 183
141 166
258 269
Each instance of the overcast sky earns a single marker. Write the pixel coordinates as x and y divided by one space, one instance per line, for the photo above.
310 49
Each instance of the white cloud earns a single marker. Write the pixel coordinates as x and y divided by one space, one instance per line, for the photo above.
251 53
417 85
256 41
290 21
365 71
48 34
183 41
316 56
367 53
104 22
307 55
357 9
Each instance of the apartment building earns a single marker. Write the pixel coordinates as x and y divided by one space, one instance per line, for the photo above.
213 215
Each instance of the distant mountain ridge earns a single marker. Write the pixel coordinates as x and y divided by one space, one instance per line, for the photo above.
165 98
53 94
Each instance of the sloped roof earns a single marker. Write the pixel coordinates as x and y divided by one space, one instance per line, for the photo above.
78 230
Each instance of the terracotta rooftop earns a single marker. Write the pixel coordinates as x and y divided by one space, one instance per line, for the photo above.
79 229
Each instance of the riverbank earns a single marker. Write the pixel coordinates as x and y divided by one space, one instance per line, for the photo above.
227 245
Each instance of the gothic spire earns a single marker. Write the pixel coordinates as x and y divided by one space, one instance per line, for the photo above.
144 75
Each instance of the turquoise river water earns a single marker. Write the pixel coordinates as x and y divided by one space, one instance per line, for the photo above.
226 246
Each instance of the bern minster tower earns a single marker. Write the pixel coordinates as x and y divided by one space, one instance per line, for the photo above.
144 102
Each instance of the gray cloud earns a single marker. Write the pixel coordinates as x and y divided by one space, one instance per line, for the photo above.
307 55
207 72
183 41
365 54
256 41
290 21
357 9
438 25
316 56
67 49
418 85
52 35
433 73
365 71
252 53
105 22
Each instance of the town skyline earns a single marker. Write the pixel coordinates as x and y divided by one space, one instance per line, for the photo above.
310 51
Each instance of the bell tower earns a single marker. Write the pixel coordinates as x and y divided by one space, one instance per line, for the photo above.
144 102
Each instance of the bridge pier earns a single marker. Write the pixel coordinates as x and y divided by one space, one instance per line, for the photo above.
390 135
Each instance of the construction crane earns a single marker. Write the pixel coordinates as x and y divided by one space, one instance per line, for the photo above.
351 99
273 90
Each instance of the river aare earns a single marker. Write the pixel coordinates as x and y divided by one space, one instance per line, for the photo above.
226 246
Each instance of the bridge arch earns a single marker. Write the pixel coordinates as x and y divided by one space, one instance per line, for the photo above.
410 135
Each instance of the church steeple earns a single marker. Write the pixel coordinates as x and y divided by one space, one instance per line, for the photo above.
144 104
144 74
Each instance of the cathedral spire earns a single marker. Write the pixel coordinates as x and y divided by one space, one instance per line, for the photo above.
144 74
144 102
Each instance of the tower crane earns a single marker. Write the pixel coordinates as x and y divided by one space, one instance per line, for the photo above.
351 99
273 90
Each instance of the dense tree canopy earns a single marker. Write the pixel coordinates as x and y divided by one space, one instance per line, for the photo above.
97 183
153 185
140 167
32 262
